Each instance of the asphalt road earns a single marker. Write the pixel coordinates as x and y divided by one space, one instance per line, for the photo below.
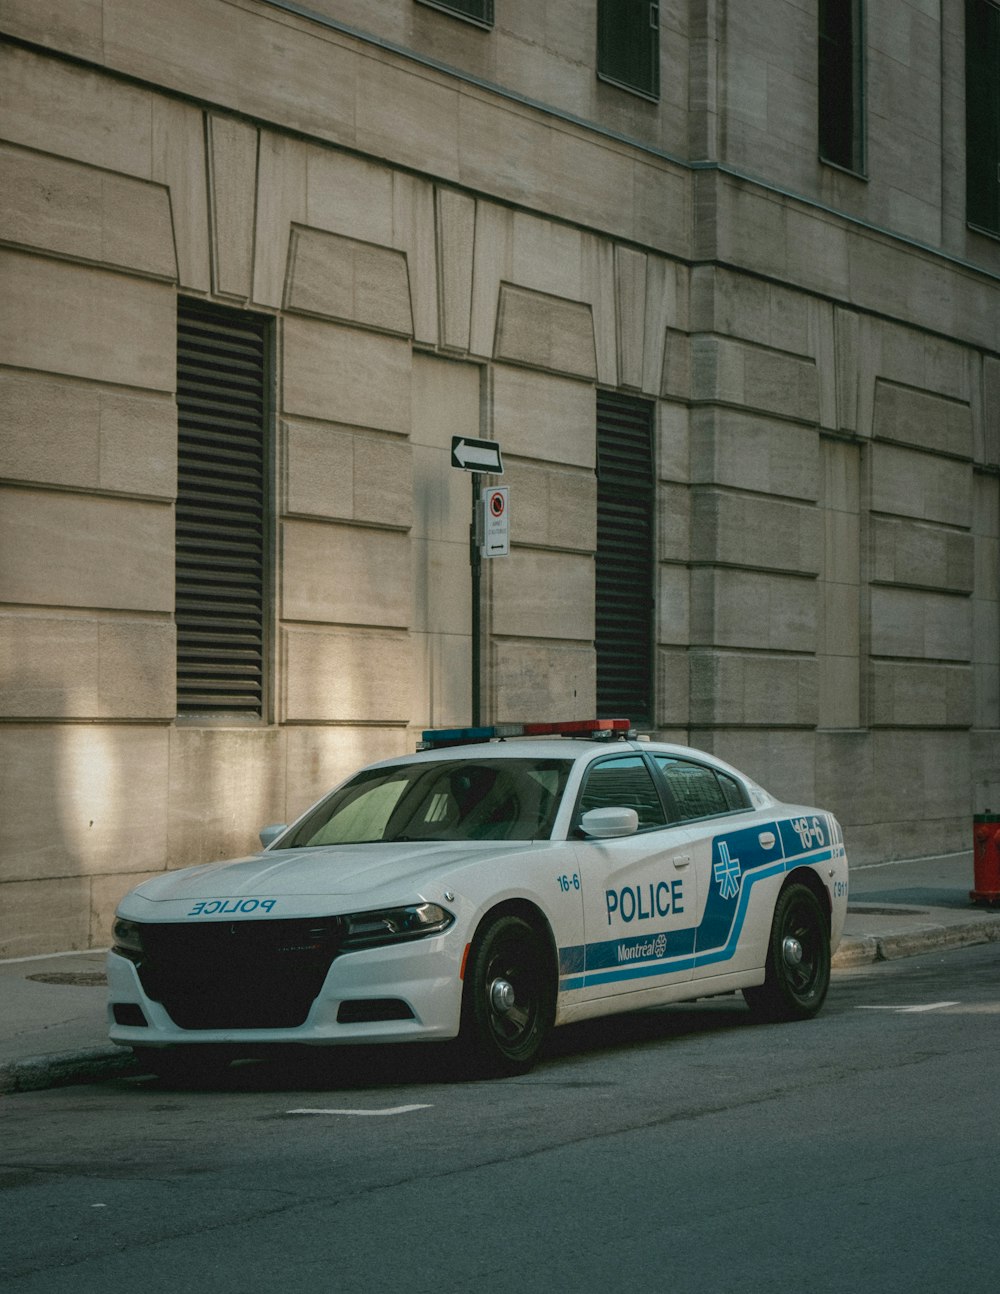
683 1150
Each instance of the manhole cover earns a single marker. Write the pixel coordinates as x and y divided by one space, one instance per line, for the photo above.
78 979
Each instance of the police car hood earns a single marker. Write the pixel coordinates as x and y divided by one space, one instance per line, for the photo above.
327 870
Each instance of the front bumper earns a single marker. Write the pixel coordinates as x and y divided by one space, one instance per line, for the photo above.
419 980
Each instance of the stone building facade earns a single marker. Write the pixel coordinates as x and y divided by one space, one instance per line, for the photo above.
450 219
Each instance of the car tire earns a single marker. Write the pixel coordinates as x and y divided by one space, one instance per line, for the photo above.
508 1005
183 1066
797 973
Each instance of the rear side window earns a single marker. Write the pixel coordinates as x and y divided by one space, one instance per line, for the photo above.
624 783
698 791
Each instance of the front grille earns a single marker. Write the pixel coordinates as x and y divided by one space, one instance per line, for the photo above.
239 974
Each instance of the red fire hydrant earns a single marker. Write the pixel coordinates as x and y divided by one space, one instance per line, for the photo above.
986 858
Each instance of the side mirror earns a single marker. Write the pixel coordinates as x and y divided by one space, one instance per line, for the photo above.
605 824
271 833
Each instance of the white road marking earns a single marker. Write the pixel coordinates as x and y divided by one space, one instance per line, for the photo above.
367 1114
904 1010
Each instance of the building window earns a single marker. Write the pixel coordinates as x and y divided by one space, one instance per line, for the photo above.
624 565
841 80
982 114
221 562
477 11
628 45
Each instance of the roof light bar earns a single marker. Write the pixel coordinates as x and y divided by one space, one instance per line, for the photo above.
594 729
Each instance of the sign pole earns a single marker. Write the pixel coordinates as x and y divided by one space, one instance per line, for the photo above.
477 570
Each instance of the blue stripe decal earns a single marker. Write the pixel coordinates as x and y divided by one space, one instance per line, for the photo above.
739 861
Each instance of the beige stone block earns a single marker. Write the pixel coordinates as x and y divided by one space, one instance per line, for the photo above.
552 507
754 377
545 332
43 916
673 442
319 758
282 201
766 314
922 419
630 295
85 551
413 232
841 561
491 265
673 605
597 257
349 575
446 403
742 530
920 696
839 688
344 375
405 114
908 483
352 676
63 432
991 410
179 163
99 790
908 552
532 679
441 587
841 476
673 707
539 416
547 257
538 594
232 159
62 668
224 785
756 690
731 608
921 625
744 451
456 237
840 619
663 308
442 498
345 475
74 25
135 345
86 214
673 511
347 280
442 680
67 110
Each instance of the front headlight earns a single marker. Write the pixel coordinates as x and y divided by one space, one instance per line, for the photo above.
393 925
127 939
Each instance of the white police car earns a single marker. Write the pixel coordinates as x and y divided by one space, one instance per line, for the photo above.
486 889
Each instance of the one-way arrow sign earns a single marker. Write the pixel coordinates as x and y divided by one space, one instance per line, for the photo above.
476 455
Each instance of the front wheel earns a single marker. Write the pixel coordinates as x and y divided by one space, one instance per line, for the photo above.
798 959
508 1005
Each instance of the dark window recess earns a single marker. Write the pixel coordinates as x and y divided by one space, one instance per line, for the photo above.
624 566
479 11
982 114
840 83
221 508
628 45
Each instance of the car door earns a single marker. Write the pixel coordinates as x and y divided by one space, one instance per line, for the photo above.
639 891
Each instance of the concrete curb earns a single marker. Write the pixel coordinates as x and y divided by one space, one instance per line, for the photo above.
864 949
35 1073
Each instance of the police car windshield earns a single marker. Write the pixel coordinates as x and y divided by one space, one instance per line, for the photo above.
483 799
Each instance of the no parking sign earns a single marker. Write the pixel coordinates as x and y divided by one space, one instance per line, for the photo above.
496 521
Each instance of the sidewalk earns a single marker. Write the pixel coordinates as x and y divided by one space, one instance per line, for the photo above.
53 1028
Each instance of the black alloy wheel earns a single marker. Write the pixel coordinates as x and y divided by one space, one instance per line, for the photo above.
798 959
509 1001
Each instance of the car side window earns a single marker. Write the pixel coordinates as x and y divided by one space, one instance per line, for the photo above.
699 791
626 783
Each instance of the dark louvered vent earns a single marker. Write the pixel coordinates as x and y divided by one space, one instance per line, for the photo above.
221 384
624 594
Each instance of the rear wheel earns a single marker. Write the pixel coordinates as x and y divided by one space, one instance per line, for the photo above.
798 959
509 1002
